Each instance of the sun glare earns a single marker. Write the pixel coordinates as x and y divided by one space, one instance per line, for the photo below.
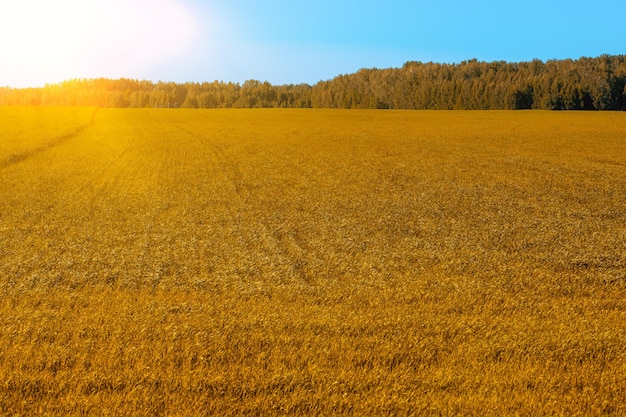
45 41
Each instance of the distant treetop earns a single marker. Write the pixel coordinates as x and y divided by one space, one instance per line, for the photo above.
583 84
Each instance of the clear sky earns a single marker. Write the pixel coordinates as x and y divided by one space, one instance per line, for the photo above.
288 41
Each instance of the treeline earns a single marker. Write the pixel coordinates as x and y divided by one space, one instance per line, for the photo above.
104 92
583 84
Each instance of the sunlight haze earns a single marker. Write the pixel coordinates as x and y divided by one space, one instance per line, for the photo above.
284 41
46 41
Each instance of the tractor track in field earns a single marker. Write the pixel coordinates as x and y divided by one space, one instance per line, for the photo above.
286 246
56 141
280 243
233 176
96 180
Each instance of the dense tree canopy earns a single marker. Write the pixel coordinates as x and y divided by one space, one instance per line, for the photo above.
583 84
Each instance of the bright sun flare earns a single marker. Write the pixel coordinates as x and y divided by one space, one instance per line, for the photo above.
45 41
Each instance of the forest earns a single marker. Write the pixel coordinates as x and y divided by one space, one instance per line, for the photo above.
583 84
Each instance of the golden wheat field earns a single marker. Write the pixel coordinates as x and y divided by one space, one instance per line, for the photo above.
312 262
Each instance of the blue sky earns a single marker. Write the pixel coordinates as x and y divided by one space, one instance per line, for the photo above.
288 41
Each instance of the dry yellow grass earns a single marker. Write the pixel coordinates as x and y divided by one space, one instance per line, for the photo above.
312 262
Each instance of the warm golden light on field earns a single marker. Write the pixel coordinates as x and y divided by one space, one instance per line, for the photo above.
283 262
54 41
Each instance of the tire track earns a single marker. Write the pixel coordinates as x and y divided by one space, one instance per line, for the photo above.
224 165
278 243
56 141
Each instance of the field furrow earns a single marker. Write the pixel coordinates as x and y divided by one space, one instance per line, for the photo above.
31 130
